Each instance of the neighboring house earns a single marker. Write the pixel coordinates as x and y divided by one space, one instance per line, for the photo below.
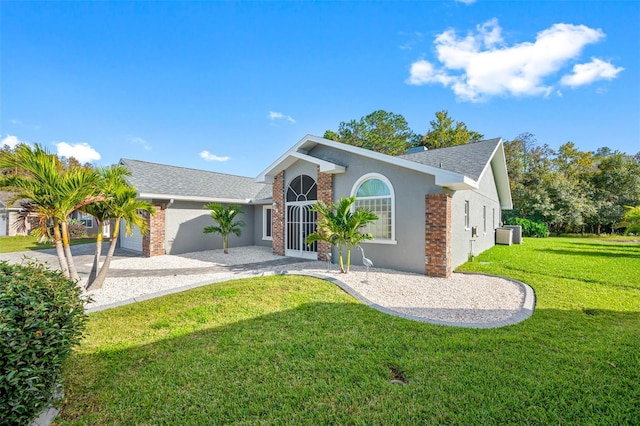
435 208
9 210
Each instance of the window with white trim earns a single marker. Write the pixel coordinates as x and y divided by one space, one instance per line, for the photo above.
86 219
466 215
267 224
484 218
374 192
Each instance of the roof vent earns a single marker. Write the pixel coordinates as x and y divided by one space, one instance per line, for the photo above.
416 149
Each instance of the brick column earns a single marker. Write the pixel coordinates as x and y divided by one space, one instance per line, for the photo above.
277 214
325 194
153 240
438 235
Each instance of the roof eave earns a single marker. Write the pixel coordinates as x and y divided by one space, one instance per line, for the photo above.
168 197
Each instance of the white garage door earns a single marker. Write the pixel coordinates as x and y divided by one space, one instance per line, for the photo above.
131 242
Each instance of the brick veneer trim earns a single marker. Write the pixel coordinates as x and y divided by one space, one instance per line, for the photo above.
438 235
153 240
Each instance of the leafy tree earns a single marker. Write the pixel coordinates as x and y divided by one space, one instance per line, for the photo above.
53 193
631 220
340 226
616 183
446 132
121 205
224 217
380 131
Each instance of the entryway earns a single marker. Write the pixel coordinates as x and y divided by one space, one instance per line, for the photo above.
300 219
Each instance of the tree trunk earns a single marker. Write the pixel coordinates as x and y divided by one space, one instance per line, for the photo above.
225 244
348 259
64 266
73 274
340 259
96 259
102 275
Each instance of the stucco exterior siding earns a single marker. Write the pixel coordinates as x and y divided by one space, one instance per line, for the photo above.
258 230
407 251
184 224
463 243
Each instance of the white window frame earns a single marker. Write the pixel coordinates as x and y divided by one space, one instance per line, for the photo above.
467 213
266 225
354 191
84 218
484 220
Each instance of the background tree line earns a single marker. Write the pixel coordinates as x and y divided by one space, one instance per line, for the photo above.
569 190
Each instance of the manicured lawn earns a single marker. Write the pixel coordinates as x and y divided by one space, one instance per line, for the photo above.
29 242
297 350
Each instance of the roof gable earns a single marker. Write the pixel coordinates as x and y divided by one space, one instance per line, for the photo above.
163 181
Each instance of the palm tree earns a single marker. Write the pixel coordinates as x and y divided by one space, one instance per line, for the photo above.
111 179
341 229
122 205
224 216
53 193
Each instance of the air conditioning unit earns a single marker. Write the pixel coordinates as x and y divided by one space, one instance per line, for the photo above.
504 236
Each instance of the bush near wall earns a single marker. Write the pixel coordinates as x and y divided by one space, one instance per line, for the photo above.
529 227
41 318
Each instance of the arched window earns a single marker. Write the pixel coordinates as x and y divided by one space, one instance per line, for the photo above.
374 192
302 188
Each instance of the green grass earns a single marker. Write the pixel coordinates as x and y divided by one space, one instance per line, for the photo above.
297 350
29 242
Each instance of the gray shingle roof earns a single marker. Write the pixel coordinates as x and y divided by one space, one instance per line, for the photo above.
161 179
469 160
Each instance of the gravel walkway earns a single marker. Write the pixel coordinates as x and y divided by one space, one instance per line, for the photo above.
470 300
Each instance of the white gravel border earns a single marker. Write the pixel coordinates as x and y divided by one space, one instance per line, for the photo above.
463 299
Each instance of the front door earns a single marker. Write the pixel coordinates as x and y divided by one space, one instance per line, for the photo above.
300 219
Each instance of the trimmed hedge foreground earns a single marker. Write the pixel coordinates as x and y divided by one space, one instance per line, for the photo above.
41 318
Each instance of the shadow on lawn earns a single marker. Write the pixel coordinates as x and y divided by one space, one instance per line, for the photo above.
326 363
633 254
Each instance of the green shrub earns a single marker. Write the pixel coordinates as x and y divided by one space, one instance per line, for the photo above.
76 229
529 227
41 318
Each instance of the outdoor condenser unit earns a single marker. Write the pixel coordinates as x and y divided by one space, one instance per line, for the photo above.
504 236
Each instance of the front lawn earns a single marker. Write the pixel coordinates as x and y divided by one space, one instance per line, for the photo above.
298 350
29 242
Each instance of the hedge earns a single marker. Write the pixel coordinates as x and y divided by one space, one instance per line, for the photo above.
42 318
529 227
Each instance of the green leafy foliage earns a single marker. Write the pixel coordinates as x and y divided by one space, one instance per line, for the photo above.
380 131
226 223
445 132
41 319
529 227
338 225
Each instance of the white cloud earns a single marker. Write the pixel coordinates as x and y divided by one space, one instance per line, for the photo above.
80 151
465 1
280 116
206 155
10 141
592 71
143 143
481 65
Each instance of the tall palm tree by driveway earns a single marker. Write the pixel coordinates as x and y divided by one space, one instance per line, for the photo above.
122 206
53 193
224 217
340 225
111 181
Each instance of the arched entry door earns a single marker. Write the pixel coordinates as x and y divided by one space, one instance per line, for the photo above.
302 194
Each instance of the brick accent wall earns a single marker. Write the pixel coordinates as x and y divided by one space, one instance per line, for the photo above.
153 240
325 194
438 235
277 214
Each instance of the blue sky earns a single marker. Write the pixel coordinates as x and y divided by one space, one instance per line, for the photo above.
230 86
